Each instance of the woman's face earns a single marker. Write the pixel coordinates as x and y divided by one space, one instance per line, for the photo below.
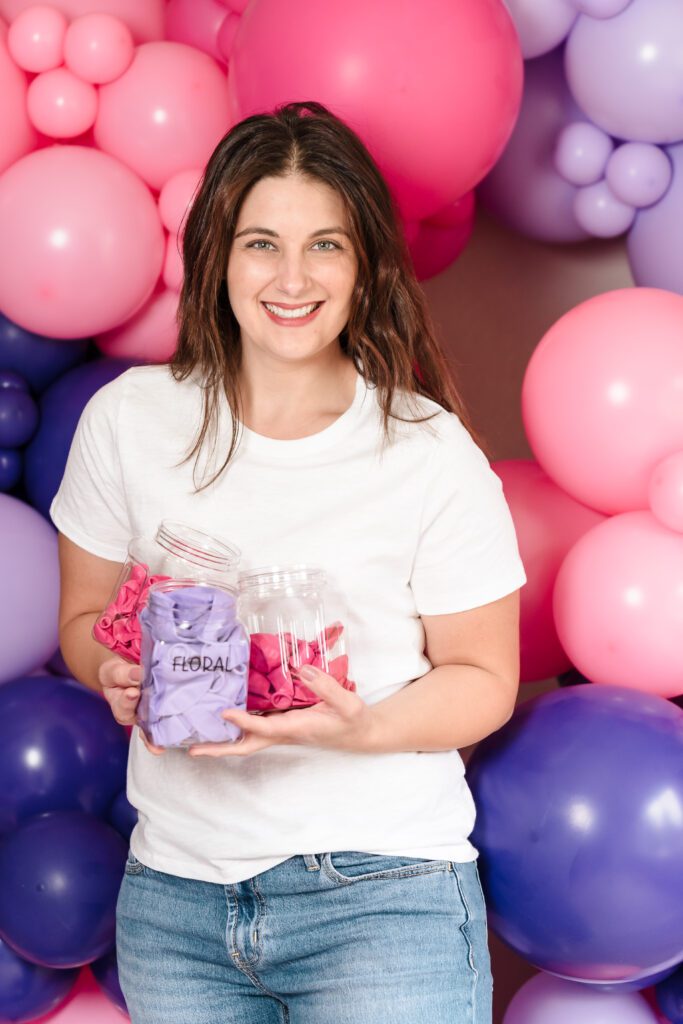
292 268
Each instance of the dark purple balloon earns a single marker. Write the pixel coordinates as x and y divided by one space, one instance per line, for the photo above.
28 991
106 974
18 411
123 816
60 749
11 466
61 874
670 996
39 360
580 828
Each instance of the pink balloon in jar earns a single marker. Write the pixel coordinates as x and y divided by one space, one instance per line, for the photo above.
601 397
665 491
98 48
618 604
36 38
152 334
432 87
18 135
60 104
166 113
81 244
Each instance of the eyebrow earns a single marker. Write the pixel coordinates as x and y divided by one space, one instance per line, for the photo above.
274 234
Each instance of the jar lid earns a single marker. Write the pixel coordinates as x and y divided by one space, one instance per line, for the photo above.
293 578
196 547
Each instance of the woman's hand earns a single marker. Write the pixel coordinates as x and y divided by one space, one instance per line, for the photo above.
341 721
120 683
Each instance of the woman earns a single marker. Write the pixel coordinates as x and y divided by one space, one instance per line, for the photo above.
319 871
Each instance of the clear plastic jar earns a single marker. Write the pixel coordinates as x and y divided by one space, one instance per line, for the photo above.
195 659
177 551
293 620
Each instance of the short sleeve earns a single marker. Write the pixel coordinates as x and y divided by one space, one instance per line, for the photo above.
89 507
467 553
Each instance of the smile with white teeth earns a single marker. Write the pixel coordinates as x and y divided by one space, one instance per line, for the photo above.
291 314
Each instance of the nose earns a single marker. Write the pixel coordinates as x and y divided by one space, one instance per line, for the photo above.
293 278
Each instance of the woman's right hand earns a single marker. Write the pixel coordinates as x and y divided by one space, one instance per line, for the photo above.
120 682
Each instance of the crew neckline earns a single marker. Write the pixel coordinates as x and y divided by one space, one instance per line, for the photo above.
338 429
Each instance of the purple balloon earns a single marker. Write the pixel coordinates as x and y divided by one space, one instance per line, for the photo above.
106 974
547 1000
28 991
580 828
601 8
626 72
30 589
18 411
670 996
541 24
655 242
599 211
11 467
639 173
582 153
524 189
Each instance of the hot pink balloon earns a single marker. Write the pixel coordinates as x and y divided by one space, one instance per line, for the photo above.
432 87
176 198
237 6
197 23
166 113
152 334
548 523
441 239
603 393
87 1004
98 48
145 18
18 135
81 244
618 604
227 33
665 491
60 104
36 38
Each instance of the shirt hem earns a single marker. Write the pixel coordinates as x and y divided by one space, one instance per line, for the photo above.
75 535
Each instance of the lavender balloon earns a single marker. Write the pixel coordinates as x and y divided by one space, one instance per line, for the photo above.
524 189
547 1000
601 8
541 24
599 211
582 153
626 72
639 173
655 242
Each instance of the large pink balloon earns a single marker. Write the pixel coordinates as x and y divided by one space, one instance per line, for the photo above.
145 18
87 1004
432 87
166 113
81 243
152 334
545 999
618 604
602 398
548 523
17 136
197 23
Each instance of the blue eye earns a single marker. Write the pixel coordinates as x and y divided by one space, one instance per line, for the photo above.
261 245
328 242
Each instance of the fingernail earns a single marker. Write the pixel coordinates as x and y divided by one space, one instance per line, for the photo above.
307 672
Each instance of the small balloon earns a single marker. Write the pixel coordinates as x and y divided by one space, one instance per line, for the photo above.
639 173
60 104
36 38
11 468
38 359
599 212
18 411
665 491
541 24
582 152
98 48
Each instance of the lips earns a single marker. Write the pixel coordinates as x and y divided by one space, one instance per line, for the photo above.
291 315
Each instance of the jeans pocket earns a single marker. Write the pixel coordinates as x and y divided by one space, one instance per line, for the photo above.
354 866
133 865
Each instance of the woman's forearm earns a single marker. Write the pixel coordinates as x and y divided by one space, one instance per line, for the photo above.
81 652
448 708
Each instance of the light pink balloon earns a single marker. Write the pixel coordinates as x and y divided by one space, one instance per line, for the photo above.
548 523
197 23
665 491
81 244
172 273
439 243
166 113
18 135
175 198
618 604
603 394
98 48
60 104
433 88
87 1004
36 38
145 18
227 34
152 334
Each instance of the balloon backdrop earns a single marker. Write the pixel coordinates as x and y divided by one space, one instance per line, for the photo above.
152 334
541 24
28 991
60 749
547 1000
122 815
60 410
87 1005
38 359
665 491
655 247
580 830
81 244
197 23
18 411
61 874
18 135
439 240
548 522
30 581
670 996
433 88
106 975
618 604
144 19
11 468
582 153
36 38
621 353
61 104
98 48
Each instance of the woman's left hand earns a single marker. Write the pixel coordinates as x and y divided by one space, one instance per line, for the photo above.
340 721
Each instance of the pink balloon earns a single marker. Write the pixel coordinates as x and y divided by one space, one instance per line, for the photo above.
36 38
145 18
175 198
98 48
665 491
172 273
81 244
151 334
602 396
17 136
618 604
227 34
432 87
545 999
87 1004
166 113
548 523
237 6
60 104
197 23
439 243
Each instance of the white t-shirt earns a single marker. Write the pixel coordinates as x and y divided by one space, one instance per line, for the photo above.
418 528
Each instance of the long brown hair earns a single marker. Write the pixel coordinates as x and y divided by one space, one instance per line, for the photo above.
389 336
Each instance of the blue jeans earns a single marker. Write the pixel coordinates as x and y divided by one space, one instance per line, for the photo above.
332 938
